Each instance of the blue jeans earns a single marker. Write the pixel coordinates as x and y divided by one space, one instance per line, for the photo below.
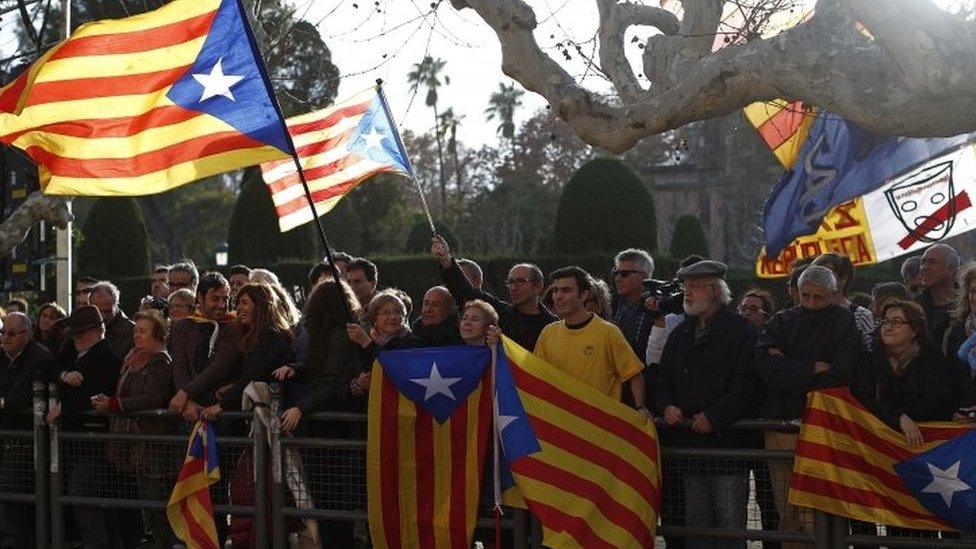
716 501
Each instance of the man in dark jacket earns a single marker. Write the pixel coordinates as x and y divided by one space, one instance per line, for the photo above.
813 346
118 327
22 361
707 375
940 263
522 318
94 371
438 322
204 349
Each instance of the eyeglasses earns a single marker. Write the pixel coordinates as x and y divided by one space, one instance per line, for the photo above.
513 281
623 272
696 285
751 309
893 322
12 333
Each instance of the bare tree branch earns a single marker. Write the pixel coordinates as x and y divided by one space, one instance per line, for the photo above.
37 207
912 77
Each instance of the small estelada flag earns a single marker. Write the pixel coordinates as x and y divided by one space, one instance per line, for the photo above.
339 148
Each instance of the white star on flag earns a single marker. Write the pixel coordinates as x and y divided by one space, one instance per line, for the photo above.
435 384
946 482
373 139
216 82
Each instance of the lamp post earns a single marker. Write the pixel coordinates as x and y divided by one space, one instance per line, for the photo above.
220 254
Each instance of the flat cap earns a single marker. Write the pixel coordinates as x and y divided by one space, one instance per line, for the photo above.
705 268
83 319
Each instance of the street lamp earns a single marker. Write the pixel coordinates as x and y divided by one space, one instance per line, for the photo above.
220 254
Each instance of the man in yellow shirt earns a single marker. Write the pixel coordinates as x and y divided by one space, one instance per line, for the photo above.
584 345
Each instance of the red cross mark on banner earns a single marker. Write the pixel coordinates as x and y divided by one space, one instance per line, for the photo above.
940 216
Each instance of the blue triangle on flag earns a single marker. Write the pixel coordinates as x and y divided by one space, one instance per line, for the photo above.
944 480
437 379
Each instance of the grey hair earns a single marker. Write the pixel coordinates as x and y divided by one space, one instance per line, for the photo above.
818 276
263 276
106 286
379 300
189 268
724 293
471 264
911 267
952 256
643 260
23 318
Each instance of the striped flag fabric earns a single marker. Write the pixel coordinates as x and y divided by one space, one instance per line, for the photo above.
190 510
584 464
144 104
429 422
849 463
339 147
782 125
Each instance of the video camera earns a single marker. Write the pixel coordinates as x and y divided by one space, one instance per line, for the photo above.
668 293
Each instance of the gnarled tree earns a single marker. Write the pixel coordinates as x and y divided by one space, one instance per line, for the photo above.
897 67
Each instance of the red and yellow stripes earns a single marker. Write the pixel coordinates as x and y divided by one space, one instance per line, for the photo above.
584 493
93 111
845 461
190 510
783 126
321 141
424 478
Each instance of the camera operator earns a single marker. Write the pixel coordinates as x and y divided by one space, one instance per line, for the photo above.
630 268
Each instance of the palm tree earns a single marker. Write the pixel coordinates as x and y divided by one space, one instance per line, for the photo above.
427 73
502 105
447 127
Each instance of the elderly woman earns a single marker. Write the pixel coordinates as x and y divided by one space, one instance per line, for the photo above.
386 315
181 304
476 320
49 330
266 342
145 383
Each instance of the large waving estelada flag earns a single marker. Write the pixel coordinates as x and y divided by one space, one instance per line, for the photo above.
429 424
190 510
849 463
339 148
584 464
144 104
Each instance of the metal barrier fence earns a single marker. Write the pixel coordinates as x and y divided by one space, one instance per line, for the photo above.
36 464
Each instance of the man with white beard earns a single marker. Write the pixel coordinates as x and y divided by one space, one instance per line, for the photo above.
707 378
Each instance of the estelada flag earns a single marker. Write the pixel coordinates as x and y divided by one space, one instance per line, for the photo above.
339 147
190 510
583 463
144 104
849 463
428 428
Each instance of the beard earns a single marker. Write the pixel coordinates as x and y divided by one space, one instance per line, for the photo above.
695 307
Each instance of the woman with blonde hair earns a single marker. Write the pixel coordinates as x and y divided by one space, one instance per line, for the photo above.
477 318
266 342
386 317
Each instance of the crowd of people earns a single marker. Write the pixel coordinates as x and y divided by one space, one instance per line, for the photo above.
696 360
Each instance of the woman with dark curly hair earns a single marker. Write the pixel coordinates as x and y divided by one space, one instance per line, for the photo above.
331 361
266 342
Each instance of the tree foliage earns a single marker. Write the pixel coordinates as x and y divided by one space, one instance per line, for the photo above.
418 241
114 240
605 206
254 237
688 238
371 219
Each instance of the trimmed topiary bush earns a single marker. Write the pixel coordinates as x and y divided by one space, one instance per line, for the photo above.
115 243
688 238
605 207
254 237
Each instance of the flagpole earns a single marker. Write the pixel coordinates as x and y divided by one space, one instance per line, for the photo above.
294 155
403 153
497 480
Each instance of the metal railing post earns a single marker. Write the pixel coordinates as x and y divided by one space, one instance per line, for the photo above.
56 483
41 460
278 529
259 438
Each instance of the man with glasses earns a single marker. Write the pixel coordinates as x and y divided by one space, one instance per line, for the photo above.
940 263
23 360
628 312
522 317
183 275
757 306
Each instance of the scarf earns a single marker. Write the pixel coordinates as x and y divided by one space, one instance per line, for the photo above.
135 361
383 340
900 364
